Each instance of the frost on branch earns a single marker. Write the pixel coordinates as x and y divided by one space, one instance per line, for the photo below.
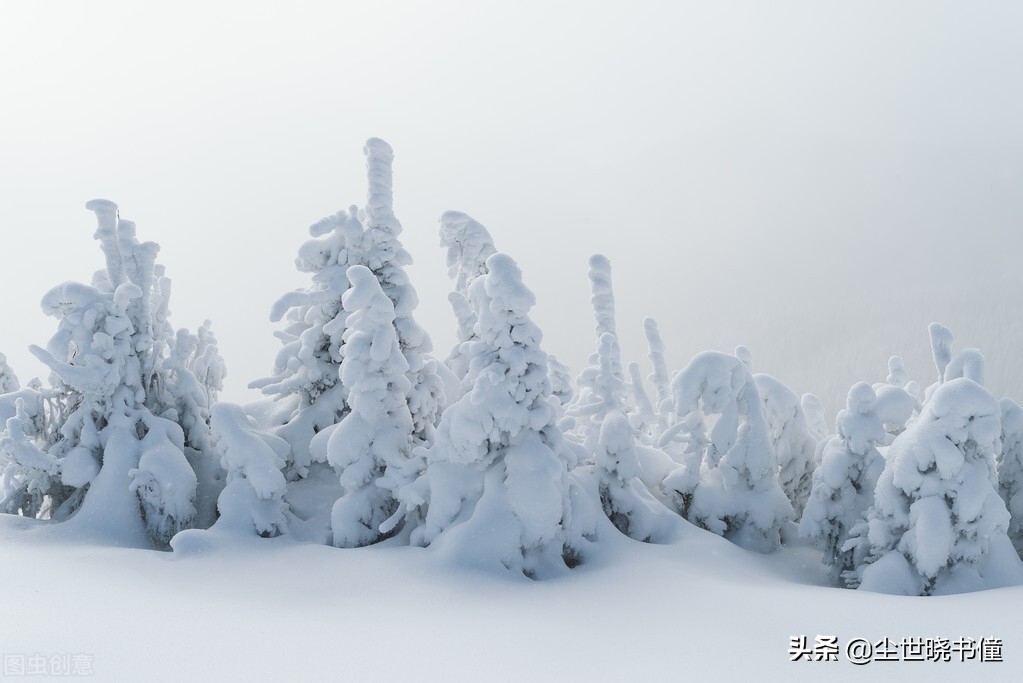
729 481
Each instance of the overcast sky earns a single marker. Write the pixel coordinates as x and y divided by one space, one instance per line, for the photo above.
815 180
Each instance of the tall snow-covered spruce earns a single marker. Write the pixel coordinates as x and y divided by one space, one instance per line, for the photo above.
496 488
306 378
602 425
125 443
373 443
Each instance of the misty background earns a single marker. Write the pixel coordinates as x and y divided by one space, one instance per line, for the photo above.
815 180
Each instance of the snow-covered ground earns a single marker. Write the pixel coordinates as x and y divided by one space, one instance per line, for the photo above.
698 608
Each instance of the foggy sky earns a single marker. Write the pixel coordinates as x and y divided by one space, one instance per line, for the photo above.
815 180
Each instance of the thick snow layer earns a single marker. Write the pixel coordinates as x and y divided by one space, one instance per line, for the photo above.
276 610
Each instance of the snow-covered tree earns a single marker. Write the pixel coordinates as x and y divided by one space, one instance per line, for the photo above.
624 498
305 380
603 300
386 258
938 524
561 380
8 380
597 383
1010 468
373 443
468 246
941 347
495 489
253 499
793 444
843 483
896 407
660 379
897 374
306 374
126 425
31 476
729 481
813 409
644 416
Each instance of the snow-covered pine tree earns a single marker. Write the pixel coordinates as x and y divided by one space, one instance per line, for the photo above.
590 405
253 499
611 438
305 380
561 380
8 380
603 300
729 482
306 374
495 489
1010 468
126 429
897 374
468 245
941 350
644 417
843 482
938 524
793 444
660 378
813 409
385 256
373 443
31 477
896 408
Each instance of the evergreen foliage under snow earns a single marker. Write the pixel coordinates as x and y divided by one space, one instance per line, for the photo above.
493 459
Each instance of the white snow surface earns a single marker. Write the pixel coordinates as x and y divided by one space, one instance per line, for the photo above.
635 611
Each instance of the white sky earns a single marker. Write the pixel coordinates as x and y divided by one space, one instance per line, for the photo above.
816 180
